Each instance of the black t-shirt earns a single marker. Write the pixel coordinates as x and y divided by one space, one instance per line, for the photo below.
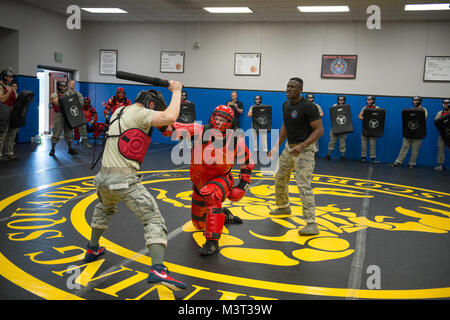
236 113
296 119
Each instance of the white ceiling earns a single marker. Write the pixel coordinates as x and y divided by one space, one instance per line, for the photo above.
264 10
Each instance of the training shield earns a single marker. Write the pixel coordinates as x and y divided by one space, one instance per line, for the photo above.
414 123
4 117
72 110
443 126
19 111
187 113
373 122
262 117
341 119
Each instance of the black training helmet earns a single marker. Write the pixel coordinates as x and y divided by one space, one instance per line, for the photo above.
6 72
59 84
146 96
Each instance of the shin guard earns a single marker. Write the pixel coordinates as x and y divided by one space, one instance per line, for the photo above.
215 219
198 210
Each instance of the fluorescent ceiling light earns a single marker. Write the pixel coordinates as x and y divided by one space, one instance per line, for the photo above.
104 10
228 9
323 8
426 7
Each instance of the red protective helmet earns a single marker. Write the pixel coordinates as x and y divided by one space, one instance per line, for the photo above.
225 112
120 90
87 103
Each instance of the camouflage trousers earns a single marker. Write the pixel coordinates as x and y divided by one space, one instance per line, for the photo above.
342 142
8 141
441 150
373 146
83 132
304 167
123 184
59 124
415 147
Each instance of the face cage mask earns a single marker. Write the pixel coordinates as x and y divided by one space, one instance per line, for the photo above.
225 126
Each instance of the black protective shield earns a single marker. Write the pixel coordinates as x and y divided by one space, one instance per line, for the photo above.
262 117
373 122
341 119
4 117
414 123
443 126
187 112
72 110
18 114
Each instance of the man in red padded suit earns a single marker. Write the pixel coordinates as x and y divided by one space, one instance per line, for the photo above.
91 116
115 102
216 150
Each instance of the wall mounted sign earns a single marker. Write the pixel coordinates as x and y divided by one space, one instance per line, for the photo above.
339 66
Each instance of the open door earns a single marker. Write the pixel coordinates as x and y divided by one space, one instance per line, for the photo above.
53 78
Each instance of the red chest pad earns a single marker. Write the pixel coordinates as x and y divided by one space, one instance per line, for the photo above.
133 144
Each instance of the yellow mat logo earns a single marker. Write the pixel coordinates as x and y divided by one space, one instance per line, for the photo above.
46 229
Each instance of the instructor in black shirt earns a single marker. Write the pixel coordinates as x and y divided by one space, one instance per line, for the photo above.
302 126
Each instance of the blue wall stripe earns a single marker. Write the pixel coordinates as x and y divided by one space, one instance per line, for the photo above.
206 100
32 123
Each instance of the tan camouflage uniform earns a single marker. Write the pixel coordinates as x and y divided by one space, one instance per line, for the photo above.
342 143
304 166
135 196
60 124
118 181
82 129
415 147
371 140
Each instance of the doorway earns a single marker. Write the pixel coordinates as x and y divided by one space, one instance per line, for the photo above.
47 85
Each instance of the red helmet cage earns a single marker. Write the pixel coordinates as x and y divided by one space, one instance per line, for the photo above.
225 112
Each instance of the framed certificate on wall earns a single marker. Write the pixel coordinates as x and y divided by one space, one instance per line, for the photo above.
437 68
108 62
339 66
172 61
247 64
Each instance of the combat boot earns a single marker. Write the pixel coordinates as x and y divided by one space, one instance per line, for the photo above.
86 144
71 150
281 211
209 248
310 230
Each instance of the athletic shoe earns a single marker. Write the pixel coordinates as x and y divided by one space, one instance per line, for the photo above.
209 248
310 230
160 275
52 153
438 168
412 166
363 160
93 253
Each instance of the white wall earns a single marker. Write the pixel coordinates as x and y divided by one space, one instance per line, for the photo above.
9 49
41 34
390 60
